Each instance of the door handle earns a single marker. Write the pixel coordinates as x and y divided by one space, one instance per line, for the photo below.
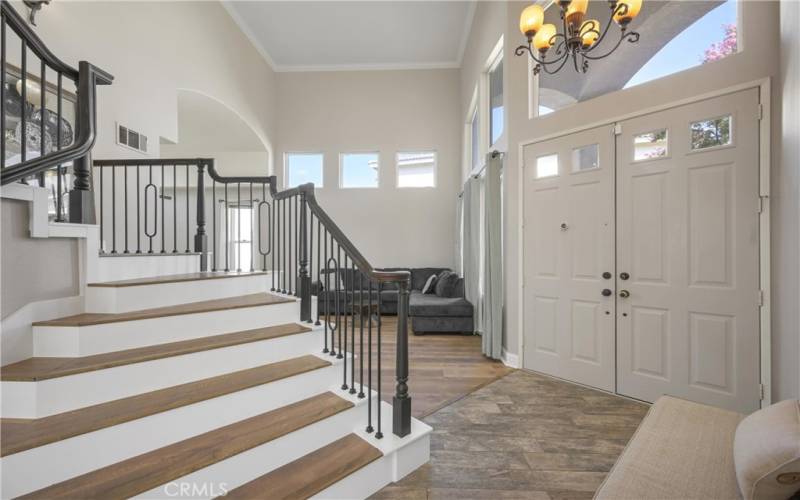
624 294
606 292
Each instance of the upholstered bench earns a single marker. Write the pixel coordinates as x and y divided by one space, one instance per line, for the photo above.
686 450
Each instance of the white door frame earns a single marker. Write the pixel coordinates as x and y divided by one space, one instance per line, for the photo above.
765 100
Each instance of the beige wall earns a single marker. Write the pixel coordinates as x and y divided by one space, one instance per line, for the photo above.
786 348
153 49
32 269
384 111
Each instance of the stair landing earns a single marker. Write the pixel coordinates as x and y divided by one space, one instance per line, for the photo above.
176 278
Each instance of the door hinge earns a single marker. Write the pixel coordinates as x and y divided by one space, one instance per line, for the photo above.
617 129
760 113
760 298
760 205
761 391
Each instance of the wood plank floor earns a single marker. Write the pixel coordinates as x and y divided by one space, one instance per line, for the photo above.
525 436
442 367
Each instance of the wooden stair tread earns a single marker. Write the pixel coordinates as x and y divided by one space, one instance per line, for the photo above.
33 369
312 473
149 470
19 434
175 278
241 301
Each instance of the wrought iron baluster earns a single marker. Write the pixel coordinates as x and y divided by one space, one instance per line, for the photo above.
138 210
285 268
24 99
369 429
327 293
188 247
59 131
150 234
361 334
379 433
163 225
174 209
338 279
102 188
319 269
226 216
272 242
42 121
353 327
125 212
113 209
214 224
201 238
344 324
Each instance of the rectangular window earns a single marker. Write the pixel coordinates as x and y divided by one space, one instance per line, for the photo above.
475 139
546 166
711 133
496 102
302 168
416 169
586 158
650 145
358 170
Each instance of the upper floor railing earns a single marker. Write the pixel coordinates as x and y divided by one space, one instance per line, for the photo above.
160 206
39 134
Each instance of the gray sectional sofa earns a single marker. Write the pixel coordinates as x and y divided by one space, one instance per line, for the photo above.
429 313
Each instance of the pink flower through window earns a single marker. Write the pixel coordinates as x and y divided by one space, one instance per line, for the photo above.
726 47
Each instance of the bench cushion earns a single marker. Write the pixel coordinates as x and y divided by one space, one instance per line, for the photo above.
435 306
767 452
681 450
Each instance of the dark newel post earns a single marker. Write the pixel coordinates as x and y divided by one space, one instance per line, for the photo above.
200 238
81 200
304 280
402 401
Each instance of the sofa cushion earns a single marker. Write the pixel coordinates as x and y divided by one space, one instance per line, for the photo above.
680 450
766 451
420 275
446 284
389 295
434 306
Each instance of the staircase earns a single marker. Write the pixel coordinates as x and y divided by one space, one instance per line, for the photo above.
224 391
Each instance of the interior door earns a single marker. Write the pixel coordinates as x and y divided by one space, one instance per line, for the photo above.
569 244
687 253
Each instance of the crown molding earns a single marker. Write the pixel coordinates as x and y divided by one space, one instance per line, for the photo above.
237 19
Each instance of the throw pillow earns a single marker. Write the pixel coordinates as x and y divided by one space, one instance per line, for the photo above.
429 288
446 284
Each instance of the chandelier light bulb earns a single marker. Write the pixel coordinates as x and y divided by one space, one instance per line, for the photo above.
626 11
544 38
590 32
531 19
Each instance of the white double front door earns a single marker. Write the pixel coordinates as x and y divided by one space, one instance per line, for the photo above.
641 254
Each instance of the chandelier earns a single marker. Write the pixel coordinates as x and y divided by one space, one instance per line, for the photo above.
580 36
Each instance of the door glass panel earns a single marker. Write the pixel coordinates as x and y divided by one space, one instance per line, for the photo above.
650 145
711 133
586 158
546 166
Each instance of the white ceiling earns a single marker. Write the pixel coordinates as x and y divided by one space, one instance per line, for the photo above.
352 35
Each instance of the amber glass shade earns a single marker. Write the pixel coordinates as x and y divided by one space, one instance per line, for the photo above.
576 12
542 40
590 31
531 19
624 15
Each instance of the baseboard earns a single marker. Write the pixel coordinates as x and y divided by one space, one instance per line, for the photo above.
509 359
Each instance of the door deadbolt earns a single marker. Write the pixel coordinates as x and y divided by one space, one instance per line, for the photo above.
606 292
624 276
607 275
624 294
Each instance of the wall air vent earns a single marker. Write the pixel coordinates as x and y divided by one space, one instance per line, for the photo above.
131 139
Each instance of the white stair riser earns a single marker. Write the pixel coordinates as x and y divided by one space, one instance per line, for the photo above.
126 267
251 464
134 298
78 455
109 337
48 397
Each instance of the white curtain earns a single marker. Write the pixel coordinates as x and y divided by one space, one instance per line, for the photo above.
492 260
472 247
459 255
